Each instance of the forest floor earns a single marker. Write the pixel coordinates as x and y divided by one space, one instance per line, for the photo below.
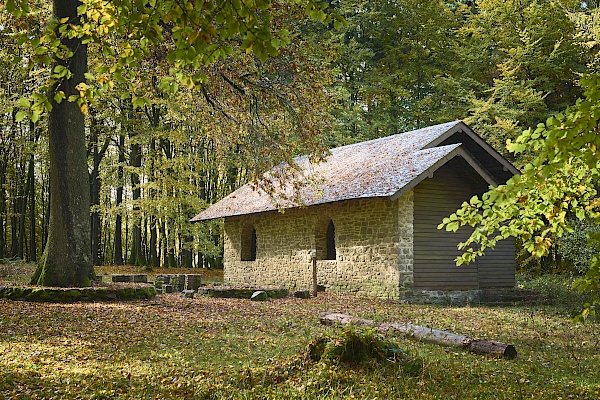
205 348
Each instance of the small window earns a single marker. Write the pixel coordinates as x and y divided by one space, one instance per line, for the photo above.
330 241
325 239
248 243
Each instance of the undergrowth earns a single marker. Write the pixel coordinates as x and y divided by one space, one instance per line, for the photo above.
556 291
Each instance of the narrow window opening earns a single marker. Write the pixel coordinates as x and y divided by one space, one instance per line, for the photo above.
248 250
253 245
330 242
325 239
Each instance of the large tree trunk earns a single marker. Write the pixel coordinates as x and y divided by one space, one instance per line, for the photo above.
428 335
66 260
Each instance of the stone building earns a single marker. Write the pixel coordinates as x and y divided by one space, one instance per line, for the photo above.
371 214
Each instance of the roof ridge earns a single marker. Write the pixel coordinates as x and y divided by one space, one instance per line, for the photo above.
400 134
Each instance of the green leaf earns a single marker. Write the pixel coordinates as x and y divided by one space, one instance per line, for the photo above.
24 102
61 71
20 116
138 102
59 96
10 6
35 116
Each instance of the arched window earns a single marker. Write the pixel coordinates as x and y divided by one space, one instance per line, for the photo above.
330 241
248 252
325 239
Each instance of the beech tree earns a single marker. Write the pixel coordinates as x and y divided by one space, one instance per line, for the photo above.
197 34
522 60
394 64
557 191
66 260
561 181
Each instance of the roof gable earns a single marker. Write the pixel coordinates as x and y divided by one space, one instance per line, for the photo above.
385 167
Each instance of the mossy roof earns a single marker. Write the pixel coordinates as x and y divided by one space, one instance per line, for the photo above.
385 167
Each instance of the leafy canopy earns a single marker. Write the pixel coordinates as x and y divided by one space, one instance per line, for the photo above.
191 34
561 181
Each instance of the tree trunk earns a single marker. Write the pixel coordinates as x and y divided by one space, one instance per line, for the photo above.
154 260
66 260
32 241
14 228
95 221
3 165
137 251
97 153
186 253
163 243
427 335
118 240
45 194
107 241
152 193
24 197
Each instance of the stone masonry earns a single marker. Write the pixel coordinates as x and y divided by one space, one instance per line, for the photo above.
405 245
373 238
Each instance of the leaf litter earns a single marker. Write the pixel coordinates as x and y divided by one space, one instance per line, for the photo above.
173 347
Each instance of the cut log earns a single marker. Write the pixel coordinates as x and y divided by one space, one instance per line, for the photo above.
427 335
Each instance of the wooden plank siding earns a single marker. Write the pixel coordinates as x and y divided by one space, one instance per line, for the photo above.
435 250
497 267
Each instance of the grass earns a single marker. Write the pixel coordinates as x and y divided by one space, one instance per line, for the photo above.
207 348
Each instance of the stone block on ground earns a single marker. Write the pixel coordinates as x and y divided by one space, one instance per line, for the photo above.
140 278
167 288
121 278
130 278
302 294
259 295
242 292
193 281
178 282
188 294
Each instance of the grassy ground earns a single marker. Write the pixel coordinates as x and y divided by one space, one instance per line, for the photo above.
204 348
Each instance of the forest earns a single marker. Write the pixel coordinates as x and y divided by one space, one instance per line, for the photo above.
122 119
164 140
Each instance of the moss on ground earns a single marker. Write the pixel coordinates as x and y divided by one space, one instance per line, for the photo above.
71 295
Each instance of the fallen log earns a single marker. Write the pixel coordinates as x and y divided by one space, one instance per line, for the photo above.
427 335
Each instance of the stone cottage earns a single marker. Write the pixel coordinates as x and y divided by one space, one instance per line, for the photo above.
372 218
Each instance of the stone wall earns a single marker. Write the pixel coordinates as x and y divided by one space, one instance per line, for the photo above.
370 235
405 245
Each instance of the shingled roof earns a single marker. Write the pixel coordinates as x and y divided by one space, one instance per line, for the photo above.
385 167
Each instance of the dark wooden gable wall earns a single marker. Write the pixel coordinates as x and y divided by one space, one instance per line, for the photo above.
435 250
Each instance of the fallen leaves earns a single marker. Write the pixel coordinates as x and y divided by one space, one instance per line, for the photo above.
173 347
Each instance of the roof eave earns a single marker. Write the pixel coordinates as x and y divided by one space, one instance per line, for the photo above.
461 126
428 173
